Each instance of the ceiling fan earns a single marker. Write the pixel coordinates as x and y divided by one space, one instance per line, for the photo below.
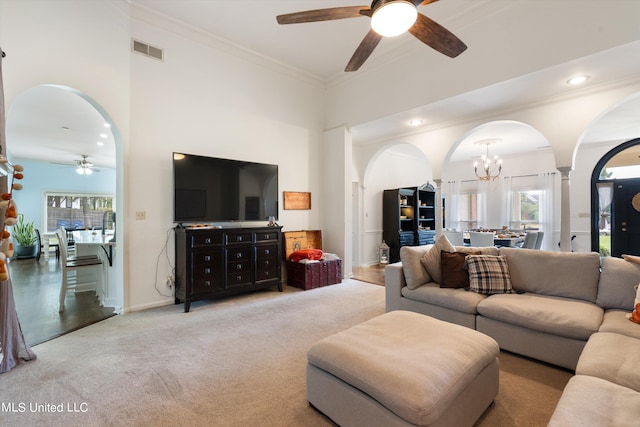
84 166
388 18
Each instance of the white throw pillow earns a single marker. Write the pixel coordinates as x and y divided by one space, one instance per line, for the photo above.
431 259
414 272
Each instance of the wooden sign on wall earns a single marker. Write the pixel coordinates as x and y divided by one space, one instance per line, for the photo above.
297 200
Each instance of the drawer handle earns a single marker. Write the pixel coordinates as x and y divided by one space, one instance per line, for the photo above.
266 273
238 278
207 270
266 262
207 258
239 239
207 282
267 237
267 251
238 266
207 240
239 255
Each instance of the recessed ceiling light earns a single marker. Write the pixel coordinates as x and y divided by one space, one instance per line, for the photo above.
107 125
415 122
577 80
100 143
103 135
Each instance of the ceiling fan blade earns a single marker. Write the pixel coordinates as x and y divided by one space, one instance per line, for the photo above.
322 14
423 2
435 35
363 51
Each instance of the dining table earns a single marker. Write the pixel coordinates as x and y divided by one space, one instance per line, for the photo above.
501 240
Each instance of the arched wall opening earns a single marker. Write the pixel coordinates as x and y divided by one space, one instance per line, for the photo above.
51 170
392 166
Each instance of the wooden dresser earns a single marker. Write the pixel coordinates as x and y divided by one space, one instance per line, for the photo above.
215 262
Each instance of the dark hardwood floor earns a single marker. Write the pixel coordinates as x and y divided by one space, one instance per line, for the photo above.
36 288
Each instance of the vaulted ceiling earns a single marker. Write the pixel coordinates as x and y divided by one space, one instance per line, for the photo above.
322 49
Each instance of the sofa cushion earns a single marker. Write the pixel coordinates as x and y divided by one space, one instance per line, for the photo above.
617 281
616 321
612 357
414 272
488 274
455 299
594 402
431 258
562 274
553 315
454 273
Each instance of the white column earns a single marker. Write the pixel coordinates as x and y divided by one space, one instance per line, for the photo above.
438 203
565 210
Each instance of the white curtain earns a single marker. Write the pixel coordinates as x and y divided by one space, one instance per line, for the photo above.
507 203
547 186
605 197
451 191
483 193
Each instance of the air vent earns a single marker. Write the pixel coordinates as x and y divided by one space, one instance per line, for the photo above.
147 50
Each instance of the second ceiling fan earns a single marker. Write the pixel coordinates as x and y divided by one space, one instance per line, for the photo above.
388 18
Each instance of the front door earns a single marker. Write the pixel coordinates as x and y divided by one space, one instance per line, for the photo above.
625 217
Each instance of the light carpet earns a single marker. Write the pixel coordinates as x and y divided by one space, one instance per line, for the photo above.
233 362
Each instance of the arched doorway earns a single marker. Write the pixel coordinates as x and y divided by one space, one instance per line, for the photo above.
50 127
615 201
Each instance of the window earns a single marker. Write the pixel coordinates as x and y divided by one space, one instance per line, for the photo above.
468 211
72 210
526 209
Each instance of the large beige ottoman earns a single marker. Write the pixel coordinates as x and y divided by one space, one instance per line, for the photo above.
401 369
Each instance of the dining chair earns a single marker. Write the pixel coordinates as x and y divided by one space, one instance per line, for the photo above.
530 240
455 237
41 248
71 266
539 239
480 239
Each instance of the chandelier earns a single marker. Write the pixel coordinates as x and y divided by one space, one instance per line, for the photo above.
490 168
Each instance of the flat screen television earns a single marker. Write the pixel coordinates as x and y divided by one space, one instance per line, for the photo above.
211 189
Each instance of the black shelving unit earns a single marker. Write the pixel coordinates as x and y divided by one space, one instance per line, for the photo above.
408 218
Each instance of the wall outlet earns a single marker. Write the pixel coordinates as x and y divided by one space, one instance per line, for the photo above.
141 215
170 282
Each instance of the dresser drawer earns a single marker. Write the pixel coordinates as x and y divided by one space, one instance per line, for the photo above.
206 239
266 269
207 284
267 252
266 236
239 254
238 278
238 237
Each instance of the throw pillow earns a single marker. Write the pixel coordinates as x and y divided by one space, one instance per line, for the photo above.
454 274
489 274
414 272
431 259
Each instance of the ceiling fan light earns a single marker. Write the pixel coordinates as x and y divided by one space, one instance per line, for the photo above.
80 170
88 171
394 18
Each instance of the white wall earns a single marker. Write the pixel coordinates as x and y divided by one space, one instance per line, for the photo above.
204 99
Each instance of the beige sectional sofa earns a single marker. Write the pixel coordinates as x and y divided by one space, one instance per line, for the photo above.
567 309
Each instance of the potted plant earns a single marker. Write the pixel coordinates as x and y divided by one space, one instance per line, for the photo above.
25 238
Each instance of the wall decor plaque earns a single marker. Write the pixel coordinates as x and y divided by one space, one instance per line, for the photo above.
297 200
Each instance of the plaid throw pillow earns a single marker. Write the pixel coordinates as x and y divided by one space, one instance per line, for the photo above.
489 274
